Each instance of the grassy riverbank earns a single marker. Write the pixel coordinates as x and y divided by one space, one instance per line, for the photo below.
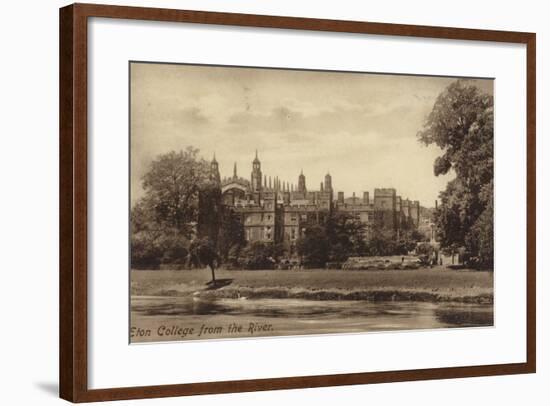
427 285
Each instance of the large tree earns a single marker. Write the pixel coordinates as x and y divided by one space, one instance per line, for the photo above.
346 234
172 187
461 124
163 221
313 246
231 234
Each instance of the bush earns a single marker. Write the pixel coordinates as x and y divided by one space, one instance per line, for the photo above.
144 253
260 255
149 250
174 249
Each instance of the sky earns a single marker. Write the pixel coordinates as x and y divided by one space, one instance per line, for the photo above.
359 127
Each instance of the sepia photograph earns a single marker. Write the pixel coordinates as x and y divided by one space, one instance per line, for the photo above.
285 202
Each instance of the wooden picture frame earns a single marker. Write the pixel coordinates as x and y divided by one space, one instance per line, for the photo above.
73 196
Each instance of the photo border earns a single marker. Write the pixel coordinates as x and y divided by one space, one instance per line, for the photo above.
73 201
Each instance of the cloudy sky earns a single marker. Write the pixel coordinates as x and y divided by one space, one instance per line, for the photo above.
360 127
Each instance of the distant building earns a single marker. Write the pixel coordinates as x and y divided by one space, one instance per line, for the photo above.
272 210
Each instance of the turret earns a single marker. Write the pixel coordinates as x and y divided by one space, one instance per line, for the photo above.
302 182
328 182
214 170
256 176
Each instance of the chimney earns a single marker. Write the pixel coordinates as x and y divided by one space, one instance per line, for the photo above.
341 197
436 204
366 197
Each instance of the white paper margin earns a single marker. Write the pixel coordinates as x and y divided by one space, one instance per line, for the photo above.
114 363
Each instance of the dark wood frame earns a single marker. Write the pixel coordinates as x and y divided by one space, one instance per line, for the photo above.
73 201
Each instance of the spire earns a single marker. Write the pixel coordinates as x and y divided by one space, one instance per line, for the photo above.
256 157
214 170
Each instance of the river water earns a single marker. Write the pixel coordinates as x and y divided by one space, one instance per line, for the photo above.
189 318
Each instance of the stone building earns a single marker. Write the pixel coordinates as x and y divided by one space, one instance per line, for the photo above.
273 210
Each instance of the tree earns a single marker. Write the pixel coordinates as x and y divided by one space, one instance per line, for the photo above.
164 220
346 234
425 253
231 234
461 124
261 255
313 247
203 253
152 243
480 239
172 187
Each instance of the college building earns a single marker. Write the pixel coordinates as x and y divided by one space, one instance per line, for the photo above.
272 210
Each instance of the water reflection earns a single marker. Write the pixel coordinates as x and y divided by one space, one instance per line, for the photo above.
393 315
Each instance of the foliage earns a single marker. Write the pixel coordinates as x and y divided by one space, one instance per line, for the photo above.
343 236
346 236
424 252
202 252
234 256
231 236
261 255
313 247
144 253
381 246
210 212
153 244
164 220
172 187
461 124
150 250
480 240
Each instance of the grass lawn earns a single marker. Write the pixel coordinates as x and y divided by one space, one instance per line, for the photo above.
436 284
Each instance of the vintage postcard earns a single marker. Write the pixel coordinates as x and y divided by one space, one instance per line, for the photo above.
277 202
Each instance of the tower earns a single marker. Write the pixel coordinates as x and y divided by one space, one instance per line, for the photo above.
214 170
235 170
302 182
256 176
328 182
